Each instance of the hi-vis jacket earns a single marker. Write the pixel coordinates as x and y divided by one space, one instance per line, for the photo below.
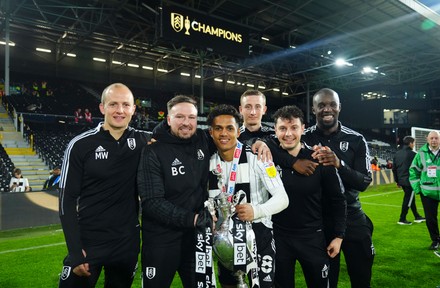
424 173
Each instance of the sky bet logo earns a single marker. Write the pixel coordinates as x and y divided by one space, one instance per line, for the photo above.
180 23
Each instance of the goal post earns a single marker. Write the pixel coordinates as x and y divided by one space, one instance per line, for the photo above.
419 134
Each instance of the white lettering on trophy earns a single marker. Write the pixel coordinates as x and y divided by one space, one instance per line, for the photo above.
239 253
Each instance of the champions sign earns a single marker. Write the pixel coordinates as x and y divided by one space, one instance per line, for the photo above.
195 29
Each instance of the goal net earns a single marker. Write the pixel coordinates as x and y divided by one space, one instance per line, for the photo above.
420 135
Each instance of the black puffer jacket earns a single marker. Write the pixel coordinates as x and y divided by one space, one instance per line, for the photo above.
401 163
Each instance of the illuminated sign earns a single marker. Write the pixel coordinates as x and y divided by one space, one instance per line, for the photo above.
198 30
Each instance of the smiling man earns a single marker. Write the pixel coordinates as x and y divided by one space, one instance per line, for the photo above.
172 181
98 197
234 167
298 230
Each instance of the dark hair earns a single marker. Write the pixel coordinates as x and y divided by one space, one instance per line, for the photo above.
17 171
180 99
288 113
252 92
224 109
408 140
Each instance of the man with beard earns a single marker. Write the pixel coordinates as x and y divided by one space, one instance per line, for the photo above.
172 182
347 150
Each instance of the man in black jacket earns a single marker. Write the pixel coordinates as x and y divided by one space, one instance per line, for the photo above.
298 230
401 163
172 183
346 150
99 203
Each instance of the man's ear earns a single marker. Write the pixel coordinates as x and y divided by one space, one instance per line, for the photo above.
313 110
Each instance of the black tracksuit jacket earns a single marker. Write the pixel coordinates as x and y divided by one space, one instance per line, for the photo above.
172 183
98 196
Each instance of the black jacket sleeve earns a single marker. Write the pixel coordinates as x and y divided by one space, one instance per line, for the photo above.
333 194
280 156
152 193
70 191
356 174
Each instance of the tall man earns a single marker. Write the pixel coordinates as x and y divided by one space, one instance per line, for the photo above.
236 168
424 176
347 150
98 197
298 230
172 181
401 163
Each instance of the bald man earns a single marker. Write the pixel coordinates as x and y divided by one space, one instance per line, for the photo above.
424 176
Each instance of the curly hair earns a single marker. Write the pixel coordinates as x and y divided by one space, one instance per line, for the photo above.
224 109
287 113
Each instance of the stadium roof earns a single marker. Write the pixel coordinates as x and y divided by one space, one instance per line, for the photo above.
304 38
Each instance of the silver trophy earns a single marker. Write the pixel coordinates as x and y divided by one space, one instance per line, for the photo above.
223 243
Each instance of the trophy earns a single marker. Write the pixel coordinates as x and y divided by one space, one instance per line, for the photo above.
223 242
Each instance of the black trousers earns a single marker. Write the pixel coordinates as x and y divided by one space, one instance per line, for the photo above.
430 206
408 191
119 262
358 251
310 251
161 261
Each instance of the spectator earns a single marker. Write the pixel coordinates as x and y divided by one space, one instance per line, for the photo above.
88 116
389 164
78 115
18 183
52 182
375 164
424 176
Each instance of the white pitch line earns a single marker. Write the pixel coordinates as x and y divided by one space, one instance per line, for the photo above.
381 194
31 248
387 205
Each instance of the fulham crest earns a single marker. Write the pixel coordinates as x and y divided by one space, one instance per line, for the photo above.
131 143
343 146
150 272
65 273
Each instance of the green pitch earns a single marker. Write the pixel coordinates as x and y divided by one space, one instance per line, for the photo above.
33 257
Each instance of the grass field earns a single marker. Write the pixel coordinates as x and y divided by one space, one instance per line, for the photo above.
32 257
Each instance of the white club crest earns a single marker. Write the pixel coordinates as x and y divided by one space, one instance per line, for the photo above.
65 273
131 143
343 146
150 272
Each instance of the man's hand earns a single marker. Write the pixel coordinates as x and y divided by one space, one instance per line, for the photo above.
334 247
245 212
326 156
305 166
82 269
263 151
